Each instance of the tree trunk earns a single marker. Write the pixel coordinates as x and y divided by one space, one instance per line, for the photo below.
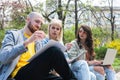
76 20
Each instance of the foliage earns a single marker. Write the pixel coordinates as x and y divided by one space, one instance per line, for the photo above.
44 27
96 42
114 44
100 52
69 34
100 36
16 24
18 20
116 64
2 32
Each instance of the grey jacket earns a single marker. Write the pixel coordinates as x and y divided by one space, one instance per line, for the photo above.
12 48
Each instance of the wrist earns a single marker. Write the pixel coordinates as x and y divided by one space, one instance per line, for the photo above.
25 43
88 62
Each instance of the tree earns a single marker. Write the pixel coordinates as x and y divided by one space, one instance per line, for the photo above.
76 18
3 10
11 11
111 18
56 8
19 11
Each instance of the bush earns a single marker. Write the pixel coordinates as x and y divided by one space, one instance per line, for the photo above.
69 34
114 44
116 64
100 52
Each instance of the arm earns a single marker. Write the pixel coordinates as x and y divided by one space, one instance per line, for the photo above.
74 51
94 62
10 50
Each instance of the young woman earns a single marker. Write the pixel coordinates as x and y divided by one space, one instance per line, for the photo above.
84 41
55 32
18 46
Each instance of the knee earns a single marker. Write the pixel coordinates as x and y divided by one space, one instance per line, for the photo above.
54 50
82 64
99 69
93 76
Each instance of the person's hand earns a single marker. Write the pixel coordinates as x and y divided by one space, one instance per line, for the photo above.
68 46
37 35
109 67
94 62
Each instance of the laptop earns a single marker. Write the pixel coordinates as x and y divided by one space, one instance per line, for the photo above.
109 57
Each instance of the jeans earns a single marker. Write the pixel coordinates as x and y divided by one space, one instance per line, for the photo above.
81 70
38 68
92 75
110 75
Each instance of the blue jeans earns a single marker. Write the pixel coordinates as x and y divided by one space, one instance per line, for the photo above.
110 75
81 70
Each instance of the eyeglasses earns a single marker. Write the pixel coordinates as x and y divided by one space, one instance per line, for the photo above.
57 28
82 31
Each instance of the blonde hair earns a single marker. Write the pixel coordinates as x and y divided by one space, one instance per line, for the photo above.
57 22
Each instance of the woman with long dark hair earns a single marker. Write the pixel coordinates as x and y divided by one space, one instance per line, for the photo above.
79 65
83 41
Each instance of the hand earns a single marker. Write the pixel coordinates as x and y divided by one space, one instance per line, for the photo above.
94 62
37 35
68 45
109 67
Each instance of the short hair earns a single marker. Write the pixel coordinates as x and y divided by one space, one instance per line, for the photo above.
32 14
57 22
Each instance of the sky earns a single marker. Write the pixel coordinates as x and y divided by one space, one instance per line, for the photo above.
116 3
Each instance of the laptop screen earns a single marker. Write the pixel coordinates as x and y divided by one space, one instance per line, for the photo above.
109 57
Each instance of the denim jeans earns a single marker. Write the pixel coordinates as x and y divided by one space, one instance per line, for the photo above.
81 70
110 75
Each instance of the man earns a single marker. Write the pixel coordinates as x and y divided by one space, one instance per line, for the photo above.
19 46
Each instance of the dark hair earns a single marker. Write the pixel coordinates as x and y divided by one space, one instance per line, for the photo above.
88 43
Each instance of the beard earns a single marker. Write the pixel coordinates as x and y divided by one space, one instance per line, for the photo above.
32 28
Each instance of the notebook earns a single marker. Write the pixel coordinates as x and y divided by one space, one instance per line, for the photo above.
48 45
109 57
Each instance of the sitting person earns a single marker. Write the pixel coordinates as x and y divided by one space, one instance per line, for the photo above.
55 33
83 42
20 45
